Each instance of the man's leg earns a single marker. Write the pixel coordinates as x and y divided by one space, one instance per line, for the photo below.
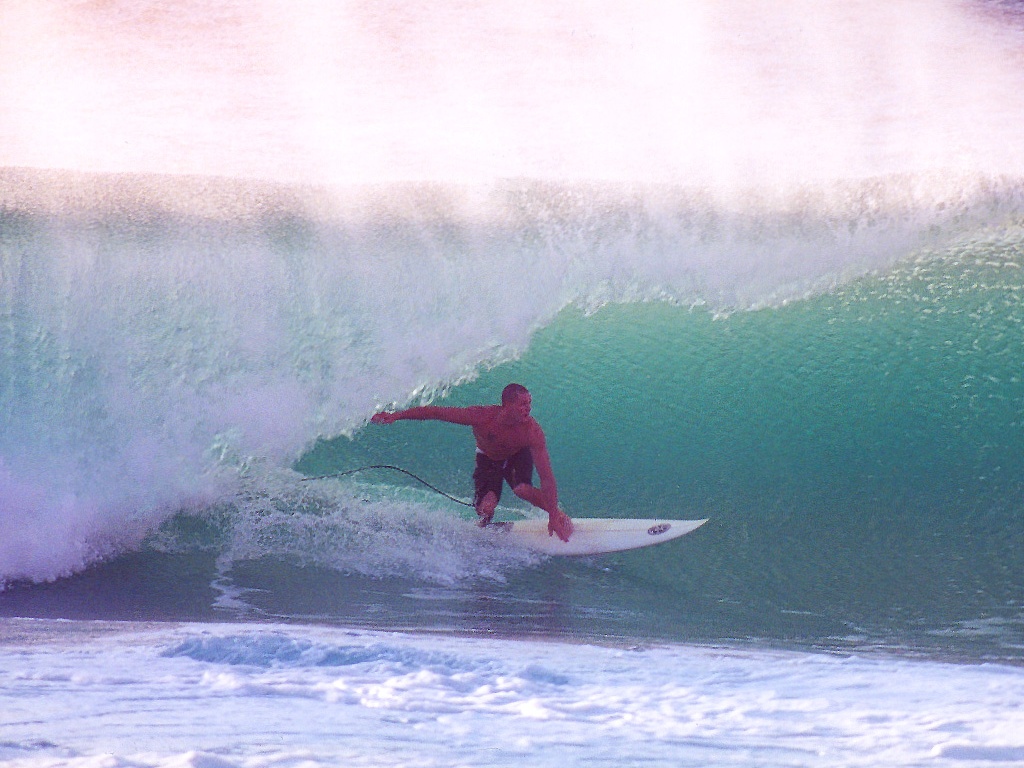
521 482
487 480
531 494
518 473
485 508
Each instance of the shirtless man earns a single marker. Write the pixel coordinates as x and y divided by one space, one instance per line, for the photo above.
509 442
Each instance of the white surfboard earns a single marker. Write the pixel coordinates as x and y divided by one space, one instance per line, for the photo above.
595 535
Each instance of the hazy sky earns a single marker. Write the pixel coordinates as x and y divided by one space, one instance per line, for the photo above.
474 90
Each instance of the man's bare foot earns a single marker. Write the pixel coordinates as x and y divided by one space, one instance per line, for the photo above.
485 509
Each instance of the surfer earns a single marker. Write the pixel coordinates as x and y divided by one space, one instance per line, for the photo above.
509 443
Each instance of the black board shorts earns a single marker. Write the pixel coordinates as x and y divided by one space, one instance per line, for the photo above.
489 474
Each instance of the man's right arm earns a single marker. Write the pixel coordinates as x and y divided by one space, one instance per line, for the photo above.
468 416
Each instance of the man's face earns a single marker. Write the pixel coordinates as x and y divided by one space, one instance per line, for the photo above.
521 406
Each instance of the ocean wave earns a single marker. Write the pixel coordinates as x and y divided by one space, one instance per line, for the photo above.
161 335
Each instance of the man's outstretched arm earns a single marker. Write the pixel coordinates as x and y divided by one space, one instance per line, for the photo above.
468 416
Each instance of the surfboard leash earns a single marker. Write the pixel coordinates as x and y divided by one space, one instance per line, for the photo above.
396 469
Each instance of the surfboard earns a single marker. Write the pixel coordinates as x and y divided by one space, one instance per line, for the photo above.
595 535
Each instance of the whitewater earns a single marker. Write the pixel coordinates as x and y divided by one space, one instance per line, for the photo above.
329 697
759 264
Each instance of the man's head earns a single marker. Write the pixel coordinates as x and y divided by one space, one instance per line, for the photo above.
516 399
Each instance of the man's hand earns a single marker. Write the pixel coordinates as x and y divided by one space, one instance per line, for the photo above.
384 418
559 523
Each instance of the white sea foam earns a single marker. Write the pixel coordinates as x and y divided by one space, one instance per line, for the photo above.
376 531
247 695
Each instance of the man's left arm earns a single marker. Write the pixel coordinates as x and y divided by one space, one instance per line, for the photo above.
558 521
542 461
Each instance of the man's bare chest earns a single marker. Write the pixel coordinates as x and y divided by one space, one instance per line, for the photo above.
499 441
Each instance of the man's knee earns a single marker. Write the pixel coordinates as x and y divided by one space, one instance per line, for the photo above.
523 491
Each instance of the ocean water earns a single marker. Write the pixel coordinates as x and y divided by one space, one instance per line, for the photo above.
224 695
756 264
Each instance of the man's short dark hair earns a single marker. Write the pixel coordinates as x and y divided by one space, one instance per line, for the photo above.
512 392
